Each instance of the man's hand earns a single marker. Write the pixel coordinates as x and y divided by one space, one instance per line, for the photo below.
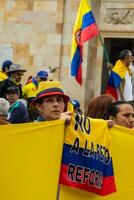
111 123
67 117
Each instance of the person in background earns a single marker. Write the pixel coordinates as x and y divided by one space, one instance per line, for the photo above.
14 78
76 106
122 113
97 106
42 76
119 84
51 102
17 112
30 90
4 107
5 69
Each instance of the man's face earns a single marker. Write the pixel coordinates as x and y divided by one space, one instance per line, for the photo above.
51 107
125 116
12 97
17 76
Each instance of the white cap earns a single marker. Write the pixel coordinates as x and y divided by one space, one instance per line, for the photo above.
4 106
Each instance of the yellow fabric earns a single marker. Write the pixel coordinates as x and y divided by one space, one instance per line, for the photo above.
82 136
83 9
29 90
94 136
46 85
120 69
30 156
3 76
70 107
122 153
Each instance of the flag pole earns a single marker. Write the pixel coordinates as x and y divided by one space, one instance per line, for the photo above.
104 48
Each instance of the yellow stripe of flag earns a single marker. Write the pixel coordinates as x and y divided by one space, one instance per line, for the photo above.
83 9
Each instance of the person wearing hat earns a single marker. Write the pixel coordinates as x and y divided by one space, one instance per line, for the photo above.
76 106
42 76
30 90
14 78
17 112
5 68
119 84
51 102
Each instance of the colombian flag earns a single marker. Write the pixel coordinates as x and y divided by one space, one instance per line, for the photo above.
87 161
85 28
116 76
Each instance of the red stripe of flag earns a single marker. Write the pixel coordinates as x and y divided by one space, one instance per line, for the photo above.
107 187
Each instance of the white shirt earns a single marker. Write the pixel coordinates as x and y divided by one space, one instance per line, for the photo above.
128 88
132 68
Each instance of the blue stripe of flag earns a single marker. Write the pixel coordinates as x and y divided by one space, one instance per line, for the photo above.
88 19
87 162
114 80
76 61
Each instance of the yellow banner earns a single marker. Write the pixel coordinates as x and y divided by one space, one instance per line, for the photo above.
122 153
87 160
30 157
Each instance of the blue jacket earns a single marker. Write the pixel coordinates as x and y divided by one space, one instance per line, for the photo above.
18 113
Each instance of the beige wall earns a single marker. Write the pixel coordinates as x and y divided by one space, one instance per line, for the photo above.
40 33
34 29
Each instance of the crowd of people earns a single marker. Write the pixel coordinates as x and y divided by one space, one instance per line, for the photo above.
43 100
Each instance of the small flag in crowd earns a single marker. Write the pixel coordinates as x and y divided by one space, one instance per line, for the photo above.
85 28
116 76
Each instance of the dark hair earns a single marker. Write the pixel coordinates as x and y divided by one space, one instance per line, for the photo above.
43 79
97 106
113 108
12 89
132 103
40 100
123 54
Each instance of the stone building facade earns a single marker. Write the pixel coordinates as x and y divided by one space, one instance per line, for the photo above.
38 34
